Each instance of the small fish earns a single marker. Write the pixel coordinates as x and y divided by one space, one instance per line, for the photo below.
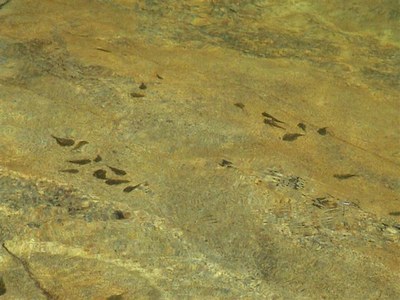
143 86
116 181
322 131
302 126
98 158
159 77
267 115
64 142
136 95
120 215
394 213
130 188
102 49
80 161
272 123
117 171
344 176
100 174
225 163
72 171
239 104
80 145
289 137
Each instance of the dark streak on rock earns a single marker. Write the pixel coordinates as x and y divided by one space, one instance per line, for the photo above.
3 288
27 269
4 3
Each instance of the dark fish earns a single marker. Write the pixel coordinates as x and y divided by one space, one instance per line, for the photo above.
64 142
98 158
72 171
344 176
159 77
136 95
117 171
80 145
100 174
322 131
225 163
267 115
102 49
272 123
302 126
130 188
116 181
394 213
80 161
289 137
120 215
239 104
143 86
116 297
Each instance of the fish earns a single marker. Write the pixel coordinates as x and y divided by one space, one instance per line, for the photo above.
225 163
289 137
344 176
322 131
117 171
143 86
80 161
130 188
267 115
136 95
64 142
239 104
120 215
102 49
116 181
273 123
100 174
80 145
302 126
98 158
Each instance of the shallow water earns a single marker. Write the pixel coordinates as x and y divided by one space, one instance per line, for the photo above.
199 149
